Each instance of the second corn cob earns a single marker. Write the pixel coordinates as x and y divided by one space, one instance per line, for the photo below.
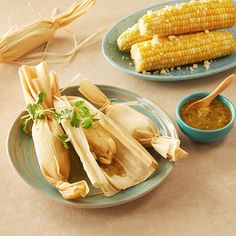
168 52
189 17
129 37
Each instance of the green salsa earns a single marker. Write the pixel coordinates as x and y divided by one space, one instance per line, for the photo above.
216 116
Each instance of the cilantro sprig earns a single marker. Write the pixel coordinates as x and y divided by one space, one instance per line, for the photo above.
78 115
35 111
64 138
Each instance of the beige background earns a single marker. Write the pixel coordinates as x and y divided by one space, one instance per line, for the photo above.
198 198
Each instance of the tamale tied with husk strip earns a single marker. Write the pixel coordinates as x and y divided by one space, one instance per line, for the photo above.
16 44
53 157
141 127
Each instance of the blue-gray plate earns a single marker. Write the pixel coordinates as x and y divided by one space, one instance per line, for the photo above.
22 155
116 57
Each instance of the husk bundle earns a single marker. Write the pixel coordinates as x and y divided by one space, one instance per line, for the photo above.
53 157
138 125
15 45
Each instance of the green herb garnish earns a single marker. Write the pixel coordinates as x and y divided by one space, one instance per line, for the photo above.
35 112
64 138
78 115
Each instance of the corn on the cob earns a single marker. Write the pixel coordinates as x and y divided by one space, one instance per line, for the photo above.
189 17
164 53
130 37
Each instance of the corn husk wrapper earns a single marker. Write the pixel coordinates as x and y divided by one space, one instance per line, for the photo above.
15 45
52 156
136 162
101 143
141 127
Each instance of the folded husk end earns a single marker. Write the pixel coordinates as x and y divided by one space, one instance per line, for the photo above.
74 190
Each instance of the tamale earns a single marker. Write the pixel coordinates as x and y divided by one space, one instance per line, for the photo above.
141 127
131 164
16 44
53 157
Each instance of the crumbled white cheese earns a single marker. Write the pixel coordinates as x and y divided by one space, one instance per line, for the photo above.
206 65
163 72
195 66
178 68
191 69
155 39
172 37
146 72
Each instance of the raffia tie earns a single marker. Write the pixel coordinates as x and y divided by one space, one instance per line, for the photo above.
55 25
105 105
152 140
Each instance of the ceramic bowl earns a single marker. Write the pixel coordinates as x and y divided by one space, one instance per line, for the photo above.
205 136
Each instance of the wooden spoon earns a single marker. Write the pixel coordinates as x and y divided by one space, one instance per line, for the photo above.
206 101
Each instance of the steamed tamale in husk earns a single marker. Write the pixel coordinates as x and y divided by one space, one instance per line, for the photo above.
141 127
53 157
131 163
16 44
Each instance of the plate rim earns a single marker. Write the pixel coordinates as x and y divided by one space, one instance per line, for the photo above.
158 78
91 205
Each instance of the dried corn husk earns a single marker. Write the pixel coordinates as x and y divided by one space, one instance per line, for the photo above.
15 45
138 125
52 156
135 164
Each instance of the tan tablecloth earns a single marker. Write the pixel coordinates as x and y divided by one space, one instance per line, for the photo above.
199 196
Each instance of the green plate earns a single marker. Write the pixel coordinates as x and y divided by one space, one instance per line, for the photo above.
22 155
114 55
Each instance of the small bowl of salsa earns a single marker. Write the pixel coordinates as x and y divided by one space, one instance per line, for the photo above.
208 124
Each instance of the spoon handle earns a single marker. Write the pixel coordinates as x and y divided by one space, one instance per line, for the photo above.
221 87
